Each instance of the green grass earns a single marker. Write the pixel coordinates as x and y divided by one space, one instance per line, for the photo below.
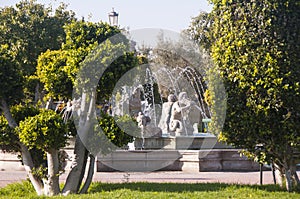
159 190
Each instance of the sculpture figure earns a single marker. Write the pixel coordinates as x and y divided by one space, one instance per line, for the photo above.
166 113
179 116
67 111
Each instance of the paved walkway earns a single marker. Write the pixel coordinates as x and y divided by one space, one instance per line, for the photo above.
7 177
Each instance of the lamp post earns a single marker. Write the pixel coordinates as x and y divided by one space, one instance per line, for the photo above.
113 18
259 148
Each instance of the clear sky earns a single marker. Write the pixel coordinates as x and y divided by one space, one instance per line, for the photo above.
174 15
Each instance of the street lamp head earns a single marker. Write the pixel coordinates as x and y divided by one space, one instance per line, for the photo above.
113 18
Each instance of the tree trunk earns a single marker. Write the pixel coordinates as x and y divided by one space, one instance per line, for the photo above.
292 180
87 114
28 165
7 114
296 177
90 175
279 174
289 183
83 170
52 182
287 176
37 93
73 179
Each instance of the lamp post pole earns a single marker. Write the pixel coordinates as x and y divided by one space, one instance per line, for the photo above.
259 148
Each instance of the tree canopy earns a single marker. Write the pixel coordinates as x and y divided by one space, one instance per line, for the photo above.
200 29
41 53
27 30
256 50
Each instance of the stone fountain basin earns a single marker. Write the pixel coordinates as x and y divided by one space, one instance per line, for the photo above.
195 142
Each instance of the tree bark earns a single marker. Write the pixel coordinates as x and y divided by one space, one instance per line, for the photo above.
83 170
86 117
296 177
52 182
73 179
37 93
289 184
90 175
286 174
278 174
7 114
28 165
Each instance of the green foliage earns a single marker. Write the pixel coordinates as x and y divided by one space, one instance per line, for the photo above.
18 190
20 112
95 64
33 29
109 133
58 70
258 58
159 190
10 76
116 129
71 128
44 131
50 71
113 73
81 38
83 34
200 30
216 97
26 30
40 170
8 136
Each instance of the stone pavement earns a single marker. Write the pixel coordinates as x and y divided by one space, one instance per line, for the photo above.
7 177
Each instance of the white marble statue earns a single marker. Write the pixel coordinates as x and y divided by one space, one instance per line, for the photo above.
166 113
179 116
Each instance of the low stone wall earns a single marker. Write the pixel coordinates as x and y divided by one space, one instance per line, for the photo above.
176 160
10 162
139 161
152 160
225 160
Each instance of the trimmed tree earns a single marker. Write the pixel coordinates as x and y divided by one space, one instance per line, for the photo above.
256 50
57 70
26 30
78 53
48 133
51 73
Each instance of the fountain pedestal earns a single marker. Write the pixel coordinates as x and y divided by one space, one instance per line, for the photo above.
196 142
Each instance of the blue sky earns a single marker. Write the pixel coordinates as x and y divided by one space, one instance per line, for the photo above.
135 14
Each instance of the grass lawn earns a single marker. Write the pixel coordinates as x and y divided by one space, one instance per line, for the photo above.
159 190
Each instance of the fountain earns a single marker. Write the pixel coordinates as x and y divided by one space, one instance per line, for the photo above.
171 124
171 133
170 110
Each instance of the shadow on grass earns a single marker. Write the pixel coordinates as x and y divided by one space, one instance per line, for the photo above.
177 187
